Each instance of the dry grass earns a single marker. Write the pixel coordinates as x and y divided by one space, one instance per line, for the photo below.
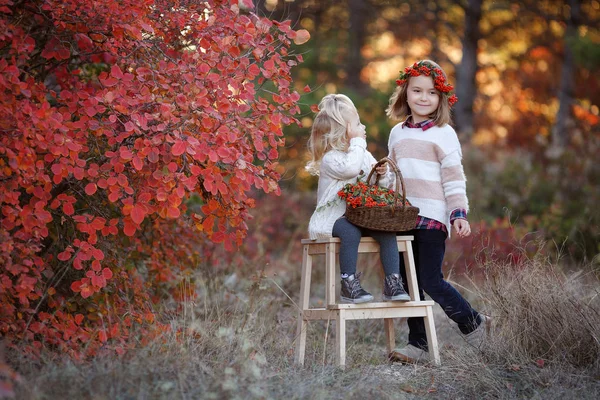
236 342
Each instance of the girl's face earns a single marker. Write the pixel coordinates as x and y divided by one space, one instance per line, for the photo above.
355 128
422 97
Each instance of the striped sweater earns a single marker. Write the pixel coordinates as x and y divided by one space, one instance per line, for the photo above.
430 162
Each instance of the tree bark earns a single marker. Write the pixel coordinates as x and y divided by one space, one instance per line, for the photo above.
466 89
560 134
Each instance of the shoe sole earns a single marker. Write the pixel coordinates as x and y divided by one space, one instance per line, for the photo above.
399 357
356 301
400 297
484 335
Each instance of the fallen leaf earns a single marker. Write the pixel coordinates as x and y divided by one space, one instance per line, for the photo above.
514 367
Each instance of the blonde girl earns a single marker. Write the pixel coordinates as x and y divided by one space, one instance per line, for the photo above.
428 153
338 149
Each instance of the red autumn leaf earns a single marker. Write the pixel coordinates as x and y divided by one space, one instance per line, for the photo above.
90 189
90 111
64 256
222 187
116 72
161 195
153 157
224 107
129 228
83 42
86 291
68 208
138 164
138 213
77 263
144 197
114 331
125 154
178 148
173 212
218 237
96 265
62 53
98 254
76 286
108 81
269 65
195 170
107 273
97 224
114 196
172 167
98 281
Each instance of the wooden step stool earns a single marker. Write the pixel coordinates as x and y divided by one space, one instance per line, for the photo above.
375 310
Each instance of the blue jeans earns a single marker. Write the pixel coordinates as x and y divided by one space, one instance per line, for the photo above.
350 235
429 247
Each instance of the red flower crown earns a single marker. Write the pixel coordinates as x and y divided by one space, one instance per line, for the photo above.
427 69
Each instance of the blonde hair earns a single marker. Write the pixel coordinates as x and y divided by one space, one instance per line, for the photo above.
329 130
398 107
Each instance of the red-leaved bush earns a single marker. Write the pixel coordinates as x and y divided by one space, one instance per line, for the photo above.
112 115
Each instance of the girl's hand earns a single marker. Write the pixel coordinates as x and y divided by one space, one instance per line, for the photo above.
354 134
462 227
382 169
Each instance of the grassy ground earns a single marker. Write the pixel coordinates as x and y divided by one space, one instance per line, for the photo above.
237 341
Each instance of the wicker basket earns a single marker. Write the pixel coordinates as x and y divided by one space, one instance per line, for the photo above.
397 217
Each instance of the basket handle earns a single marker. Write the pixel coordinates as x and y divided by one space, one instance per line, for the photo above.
399 179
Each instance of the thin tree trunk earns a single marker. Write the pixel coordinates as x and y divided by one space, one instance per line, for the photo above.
466 89
436 53
560 134
356 36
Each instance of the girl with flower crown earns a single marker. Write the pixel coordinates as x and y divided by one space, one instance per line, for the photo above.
428 153
339 154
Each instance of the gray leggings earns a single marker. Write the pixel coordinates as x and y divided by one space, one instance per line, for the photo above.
350 235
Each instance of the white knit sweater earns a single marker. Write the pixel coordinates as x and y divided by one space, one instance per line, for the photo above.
337 169
430 162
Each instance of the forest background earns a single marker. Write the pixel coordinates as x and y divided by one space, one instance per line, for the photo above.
130 283
526 75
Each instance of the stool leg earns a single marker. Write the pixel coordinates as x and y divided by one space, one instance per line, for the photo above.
330 278
411 272
390 335
340 338
303 304
432 342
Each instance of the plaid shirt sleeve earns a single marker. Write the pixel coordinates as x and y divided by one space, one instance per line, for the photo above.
459 213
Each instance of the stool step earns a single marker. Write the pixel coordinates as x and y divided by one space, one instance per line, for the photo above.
384 304
366 313
366 239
